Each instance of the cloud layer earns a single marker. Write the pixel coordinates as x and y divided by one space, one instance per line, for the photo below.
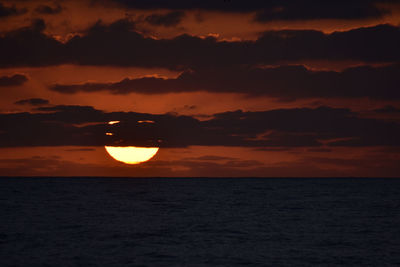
301 127
14 80
6 11
273 10
285 82
33 102
120 45
167 20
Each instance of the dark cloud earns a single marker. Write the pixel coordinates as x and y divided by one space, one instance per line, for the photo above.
80 149
48 10
29 46
118 44
387 109
6 11
16 79
33 102
310 10
358 44
70 108
216 5
86 126
273 10
285 82
167 20
306 127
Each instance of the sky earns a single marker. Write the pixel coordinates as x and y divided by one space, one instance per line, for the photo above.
225 88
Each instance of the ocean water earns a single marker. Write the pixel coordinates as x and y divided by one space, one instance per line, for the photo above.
199 222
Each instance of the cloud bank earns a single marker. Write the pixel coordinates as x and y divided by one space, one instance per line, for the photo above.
300 127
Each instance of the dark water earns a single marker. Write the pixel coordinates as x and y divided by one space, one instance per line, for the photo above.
199 222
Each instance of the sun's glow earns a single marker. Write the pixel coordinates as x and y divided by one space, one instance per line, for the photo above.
131 154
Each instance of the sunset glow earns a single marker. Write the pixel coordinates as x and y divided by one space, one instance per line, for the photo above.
294 88
239 96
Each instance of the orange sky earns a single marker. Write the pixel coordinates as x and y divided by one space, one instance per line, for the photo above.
77 16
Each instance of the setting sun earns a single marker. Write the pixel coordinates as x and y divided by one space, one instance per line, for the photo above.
131 154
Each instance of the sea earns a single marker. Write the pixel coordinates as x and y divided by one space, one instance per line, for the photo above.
199 221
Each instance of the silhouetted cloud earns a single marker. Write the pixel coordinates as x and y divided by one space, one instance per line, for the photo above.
6 11
311 10
33 102
48 10
118 44
286 82
29 46
167 20
16 79
70 108
273 10
80 149
309 127
388 109
373 44
86 126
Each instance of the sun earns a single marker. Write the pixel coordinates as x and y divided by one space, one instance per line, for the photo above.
131 154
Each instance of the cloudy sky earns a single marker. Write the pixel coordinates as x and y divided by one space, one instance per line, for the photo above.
224 88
